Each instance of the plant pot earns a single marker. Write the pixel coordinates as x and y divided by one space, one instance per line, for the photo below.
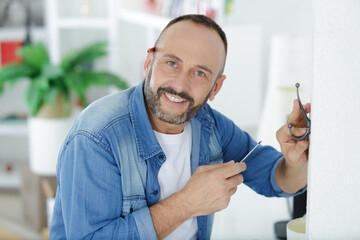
47 132
46 137
57 110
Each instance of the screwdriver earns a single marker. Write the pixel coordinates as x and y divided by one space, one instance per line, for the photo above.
251 150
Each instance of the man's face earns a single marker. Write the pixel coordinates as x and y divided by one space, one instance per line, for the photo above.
183 72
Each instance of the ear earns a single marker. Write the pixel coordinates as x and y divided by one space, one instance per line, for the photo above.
217 87
147 63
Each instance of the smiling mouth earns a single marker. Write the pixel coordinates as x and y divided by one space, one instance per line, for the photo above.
174 99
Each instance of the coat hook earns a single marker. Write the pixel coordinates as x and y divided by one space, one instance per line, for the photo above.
308 122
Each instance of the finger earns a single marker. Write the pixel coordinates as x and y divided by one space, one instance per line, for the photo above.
205 168
234 181
282 135
232 169
243 166
300 147
295 114
298 132
307 107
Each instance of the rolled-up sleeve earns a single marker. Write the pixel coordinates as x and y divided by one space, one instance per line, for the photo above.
261 163
276 187
89 196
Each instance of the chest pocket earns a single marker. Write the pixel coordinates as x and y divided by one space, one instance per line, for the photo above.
132 203
215 150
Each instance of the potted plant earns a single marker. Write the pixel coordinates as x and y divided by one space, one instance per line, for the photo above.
49 93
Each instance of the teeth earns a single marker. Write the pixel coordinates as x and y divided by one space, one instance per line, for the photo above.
174 99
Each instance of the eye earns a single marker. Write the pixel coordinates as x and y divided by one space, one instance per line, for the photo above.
200 73
172 64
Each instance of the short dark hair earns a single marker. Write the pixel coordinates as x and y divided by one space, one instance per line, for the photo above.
198 19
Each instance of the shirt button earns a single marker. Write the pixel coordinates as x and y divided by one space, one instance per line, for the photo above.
155 192
161 157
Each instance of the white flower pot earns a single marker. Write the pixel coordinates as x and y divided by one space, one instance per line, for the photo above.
46 136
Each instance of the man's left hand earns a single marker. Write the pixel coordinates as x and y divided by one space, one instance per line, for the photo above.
295 152
291 173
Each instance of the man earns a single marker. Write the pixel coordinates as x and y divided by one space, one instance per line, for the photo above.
156 161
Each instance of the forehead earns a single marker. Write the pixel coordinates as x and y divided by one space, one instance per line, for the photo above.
193 42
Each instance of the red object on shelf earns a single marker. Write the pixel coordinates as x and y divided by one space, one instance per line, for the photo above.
8 167
8 52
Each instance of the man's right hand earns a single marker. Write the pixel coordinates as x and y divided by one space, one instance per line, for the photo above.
209 189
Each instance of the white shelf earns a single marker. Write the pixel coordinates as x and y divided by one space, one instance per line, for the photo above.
143 18
18 129
89 23
19 33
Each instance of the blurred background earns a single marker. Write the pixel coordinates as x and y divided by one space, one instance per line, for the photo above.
270 49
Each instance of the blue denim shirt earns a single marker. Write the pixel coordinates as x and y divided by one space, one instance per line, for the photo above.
107 168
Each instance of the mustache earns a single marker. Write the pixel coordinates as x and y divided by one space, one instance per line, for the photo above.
173 92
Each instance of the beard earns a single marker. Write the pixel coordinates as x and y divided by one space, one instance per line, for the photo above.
153 101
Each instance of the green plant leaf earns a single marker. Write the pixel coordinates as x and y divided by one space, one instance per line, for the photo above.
93 78
13 73
47 80
34 97
42 83
50 96
51 71
35 55
75 82
119 82
83 56
67 102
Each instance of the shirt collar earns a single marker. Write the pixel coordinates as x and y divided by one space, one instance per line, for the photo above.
146 140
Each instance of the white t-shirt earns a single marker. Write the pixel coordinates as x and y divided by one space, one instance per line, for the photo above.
174 173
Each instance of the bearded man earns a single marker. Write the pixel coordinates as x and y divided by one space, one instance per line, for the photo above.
155 161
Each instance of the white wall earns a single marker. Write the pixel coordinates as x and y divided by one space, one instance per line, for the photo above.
240 96
333 193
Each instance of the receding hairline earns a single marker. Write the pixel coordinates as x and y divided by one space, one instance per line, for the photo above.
164 32
201 20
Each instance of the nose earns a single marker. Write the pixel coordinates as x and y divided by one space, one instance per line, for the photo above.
181 82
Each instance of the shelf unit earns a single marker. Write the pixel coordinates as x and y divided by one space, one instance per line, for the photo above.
57 23
11 179
7 33
16 130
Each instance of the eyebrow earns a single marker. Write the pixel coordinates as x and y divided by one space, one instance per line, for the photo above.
204 68
180 60
173 56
